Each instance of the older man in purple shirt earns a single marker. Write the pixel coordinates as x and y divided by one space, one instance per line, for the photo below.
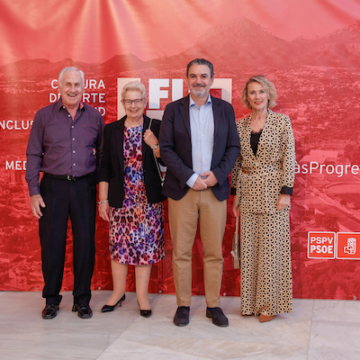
64 140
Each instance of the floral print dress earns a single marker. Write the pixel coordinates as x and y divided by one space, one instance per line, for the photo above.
136 229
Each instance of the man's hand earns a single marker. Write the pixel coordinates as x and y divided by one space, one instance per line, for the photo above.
35 202
199 184
209 178
283 202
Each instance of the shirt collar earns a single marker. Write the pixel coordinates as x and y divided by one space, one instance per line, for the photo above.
193 103
59 105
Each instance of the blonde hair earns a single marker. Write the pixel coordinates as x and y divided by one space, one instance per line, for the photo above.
134 86
267 85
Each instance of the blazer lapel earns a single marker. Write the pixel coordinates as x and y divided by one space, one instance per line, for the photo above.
184 109
266 132
247 139
217 116
144 147
120 141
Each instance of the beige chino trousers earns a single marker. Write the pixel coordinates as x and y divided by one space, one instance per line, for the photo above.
184 215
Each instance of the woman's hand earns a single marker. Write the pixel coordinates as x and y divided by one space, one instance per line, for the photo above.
235 206
104 210
283 202
151 140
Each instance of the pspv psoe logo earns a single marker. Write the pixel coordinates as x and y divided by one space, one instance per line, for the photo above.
159 89
321 245
348 245
330 245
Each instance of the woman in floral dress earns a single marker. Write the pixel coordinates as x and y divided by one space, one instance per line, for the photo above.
130 197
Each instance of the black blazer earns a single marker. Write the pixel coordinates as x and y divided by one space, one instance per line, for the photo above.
176 148
112 163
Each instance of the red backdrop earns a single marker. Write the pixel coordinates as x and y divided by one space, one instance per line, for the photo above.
310 49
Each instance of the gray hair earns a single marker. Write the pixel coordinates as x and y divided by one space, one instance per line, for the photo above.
134 86
200 62
267 85
71 68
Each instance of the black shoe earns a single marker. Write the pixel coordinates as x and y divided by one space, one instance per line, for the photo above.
50 311
145 313
217 316
108 308
181 317
84 311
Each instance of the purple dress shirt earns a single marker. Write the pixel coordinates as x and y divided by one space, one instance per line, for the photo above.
59 145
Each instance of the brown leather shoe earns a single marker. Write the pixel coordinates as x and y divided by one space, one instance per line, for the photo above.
265 318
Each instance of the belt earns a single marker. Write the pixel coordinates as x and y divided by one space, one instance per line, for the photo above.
67 177
251 170
246 170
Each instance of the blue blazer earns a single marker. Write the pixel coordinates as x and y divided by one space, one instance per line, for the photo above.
112 163
176 148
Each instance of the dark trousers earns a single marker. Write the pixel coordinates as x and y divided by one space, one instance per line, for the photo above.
64 198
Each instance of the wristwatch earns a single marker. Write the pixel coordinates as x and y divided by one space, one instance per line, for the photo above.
155 146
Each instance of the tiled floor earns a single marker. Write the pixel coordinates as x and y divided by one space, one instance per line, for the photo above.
318 329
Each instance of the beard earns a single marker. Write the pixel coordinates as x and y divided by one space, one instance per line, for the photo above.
201 90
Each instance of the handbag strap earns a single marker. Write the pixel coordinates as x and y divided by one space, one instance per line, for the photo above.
237 228
156 160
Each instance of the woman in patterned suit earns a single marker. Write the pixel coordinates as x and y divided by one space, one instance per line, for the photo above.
263 178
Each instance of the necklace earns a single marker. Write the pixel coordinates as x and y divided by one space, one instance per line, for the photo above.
129 124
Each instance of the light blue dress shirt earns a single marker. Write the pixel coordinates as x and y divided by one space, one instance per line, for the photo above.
202 137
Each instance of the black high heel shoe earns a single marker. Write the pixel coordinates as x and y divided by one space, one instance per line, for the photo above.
145 313
108 308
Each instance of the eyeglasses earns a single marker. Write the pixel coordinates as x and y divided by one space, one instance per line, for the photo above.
136 102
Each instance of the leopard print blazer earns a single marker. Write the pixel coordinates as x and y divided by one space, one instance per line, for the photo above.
259 179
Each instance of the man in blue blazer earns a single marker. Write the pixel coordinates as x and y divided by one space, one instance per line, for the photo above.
199 144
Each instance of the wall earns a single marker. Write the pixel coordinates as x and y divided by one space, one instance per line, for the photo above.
310 49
